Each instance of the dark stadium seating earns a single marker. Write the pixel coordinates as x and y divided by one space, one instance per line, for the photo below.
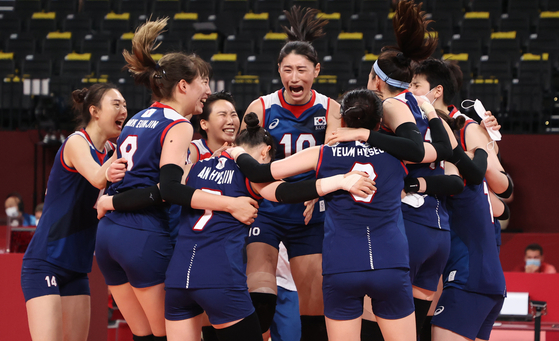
504 47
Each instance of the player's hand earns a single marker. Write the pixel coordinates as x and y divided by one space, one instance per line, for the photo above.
235 152
364 186
221 149
104 204
116 170
309 209
244 209
346 135
490 121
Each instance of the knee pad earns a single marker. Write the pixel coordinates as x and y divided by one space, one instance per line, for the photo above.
209 334
159 338
142 338
265 306
245 330
425 333
370 331
421 310
313 328
263 282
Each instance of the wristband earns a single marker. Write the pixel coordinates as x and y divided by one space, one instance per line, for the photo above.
411 184
236 151
426 107
337 182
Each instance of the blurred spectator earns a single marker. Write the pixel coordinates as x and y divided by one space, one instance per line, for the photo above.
15 211
533 257
38 212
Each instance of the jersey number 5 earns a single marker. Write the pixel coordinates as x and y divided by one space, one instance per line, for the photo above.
369 169
208 214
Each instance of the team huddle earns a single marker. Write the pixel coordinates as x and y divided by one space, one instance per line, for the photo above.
375 197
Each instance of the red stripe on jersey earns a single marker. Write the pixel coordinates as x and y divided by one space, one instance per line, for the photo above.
68 168
161 105
170 126
252 191
452 110
297 110
225 154
405 168
327 109
319 163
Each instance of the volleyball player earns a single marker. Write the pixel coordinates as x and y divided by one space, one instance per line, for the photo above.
134 248
297 117
206 272
55 266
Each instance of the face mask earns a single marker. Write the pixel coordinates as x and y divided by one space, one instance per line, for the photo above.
427 99
535 262
12 212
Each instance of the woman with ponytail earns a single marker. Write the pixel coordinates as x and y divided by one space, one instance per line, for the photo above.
365 251
55 266
297 117
134 247
206 272
420 136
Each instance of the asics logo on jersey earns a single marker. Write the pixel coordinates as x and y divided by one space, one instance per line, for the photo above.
438 310
274 124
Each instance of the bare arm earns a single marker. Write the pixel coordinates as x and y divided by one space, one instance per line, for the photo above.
334 118
77 155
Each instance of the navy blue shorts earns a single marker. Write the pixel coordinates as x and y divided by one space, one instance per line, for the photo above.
129 255
222 305
429 250
389 289
299 240
467 313
41 278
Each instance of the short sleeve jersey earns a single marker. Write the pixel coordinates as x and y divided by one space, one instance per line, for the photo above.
294 128
141 143
433 212
473 263
66 233
209 250
363 233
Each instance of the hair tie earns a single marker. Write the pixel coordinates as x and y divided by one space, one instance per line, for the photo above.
403 59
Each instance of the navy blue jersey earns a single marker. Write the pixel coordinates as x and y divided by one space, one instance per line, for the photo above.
294 128
141 142
473 264
363 234
209 250
66 233
433 212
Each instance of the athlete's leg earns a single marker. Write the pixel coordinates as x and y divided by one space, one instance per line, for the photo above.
184 330
76 313
307 274
344 330
262 261
398 330
247 329
44 315
152 300
131 309
442 334
370 330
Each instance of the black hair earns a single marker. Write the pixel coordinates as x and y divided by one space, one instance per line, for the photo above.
534 247
305 28
414 43
20 205
85 98
208 105
254 135
162 76
361 108
437 73
455 123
